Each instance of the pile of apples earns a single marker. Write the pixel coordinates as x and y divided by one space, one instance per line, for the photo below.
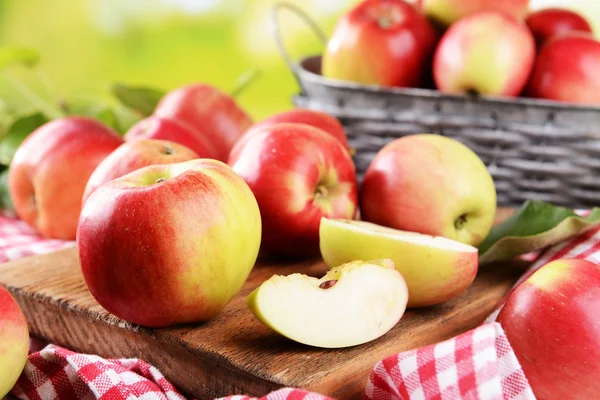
485 47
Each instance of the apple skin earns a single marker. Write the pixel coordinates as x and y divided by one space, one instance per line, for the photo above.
430 184
447 12
298 174
381 42
549 22
317 119
209 110
551 321
435 269
50 169
352 304
14 342
154 127
486 53
159 253
134 155
567 70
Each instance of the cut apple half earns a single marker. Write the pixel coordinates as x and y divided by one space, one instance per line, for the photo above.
352 304
436 269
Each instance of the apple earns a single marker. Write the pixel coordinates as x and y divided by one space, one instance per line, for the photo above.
430 184
352 304
381 42
298 174
154 127
50 169
134 155
447 12
169 244
552 323
318 119
486 53
567 70
548 22
14 342
210 111
436 269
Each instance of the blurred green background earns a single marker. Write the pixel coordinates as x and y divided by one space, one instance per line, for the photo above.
86 45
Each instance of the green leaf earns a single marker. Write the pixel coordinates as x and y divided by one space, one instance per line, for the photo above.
18 55
535 226
5 201
141 99
17 132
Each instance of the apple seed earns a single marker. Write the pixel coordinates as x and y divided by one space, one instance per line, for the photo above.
328 284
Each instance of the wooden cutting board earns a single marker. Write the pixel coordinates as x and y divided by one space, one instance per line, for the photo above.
234 353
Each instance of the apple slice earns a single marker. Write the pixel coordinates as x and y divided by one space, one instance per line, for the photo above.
436 269
352 304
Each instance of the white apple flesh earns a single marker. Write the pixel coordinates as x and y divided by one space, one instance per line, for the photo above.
352 304
436 269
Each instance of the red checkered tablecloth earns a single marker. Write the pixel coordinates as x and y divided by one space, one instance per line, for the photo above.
478 364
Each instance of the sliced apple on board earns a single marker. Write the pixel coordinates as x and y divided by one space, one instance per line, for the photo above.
436 269
352 304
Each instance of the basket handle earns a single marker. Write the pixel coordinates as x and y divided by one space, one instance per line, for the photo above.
276 29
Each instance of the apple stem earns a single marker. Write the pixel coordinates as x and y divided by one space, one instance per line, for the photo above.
46 108
460 221
243 82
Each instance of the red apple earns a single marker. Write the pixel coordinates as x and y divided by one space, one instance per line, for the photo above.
382 42
567 70
318 119
134 155
210 111
169 244
486 53
50 169
549 22
155 127
447 12
14 342
298 174
430 184
552 323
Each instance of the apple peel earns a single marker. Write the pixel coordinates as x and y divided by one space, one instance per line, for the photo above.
365 301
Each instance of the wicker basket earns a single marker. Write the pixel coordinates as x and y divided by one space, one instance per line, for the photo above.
534 149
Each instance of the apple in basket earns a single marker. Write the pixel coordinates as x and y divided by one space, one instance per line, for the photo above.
486 53
134 155
382 42
446 12
169 244
154 127
436 269
567 69
209 110
553 325
430 184
50 169
549 22
14 342
298 174
352 304
318 119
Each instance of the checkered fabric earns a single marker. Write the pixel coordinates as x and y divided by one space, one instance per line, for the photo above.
17 240
478 364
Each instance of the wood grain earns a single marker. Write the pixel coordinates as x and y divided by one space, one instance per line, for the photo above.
234 353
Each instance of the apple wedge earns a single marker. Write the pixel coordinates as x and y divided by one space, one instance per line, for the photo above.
436 269
352 304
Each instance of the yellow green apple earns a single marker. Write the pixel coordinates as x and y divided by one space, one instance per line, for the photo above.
430 184
14 342
446 12
436 269
352 304
169 244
